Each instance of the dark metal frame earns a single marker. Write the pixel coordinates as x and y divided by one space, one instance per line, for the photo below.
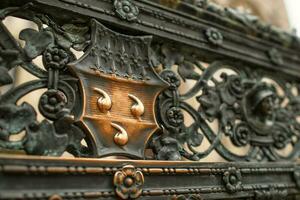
123 98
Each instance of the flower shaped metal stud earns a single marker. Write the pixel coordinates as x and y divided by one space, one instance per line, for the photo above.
126 9
175 116
214 36
128 182
170 77
232 179
56 58
52 102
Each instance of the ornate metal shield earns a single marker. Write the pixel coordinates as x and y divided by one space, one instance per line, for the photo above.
119 87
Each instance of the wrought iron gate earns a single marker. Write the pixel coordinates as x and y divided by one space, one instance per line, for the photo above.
156 81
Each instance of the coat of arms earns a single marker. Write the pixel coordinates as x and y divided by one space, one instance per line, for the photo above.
119 88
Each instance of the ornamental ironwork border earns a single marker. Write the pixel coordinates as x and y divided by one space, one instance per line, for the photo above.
125 97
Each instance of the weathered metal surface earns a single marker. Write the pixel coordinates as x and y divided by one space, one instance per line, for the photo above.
119 87
187 29
127 96
44 178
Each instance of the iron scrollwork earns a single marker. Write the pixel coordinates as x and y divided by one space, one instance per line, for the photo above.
57 104
248 109
133 94
84 97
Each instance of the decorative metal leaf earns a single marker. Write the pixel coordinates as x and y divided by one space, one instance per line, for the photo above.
36 42
42 139
172 56
5 78
73 36
194 138
14 119
65 126
166 148
62 41
9 58
187 71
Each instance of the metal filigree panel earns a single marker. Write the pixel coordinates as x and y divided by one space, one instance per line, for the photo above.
156 80
252 109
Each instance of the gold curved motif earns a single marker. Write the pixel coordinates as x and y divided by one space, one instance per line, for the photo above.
104 103
138 108
121 137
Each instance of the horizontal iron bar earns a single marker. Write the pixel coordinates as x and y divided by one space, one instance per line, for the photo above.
186 30
40 177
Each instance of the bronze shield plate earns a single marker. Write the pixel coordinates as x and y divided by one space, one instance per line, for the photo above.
119 87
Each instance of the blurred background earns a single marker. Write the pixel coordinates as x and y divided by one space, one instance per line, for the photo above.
292 8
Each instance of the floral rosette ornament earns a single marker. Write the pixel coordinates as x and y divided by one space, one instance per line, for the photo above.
232 179
52 102
171 78
56 58
175 116
128 182
126 9
214 36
